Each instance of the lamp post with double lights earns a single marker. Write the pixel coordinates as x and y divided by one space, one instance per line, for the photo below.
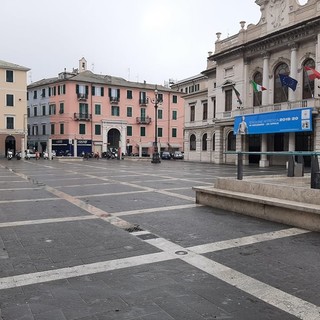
156 154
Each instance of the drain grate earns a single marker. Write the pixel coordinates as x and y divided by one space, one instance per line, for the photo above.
147 236
133 228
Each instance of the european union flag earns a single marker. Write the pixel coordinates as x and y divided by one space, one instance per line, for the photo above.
287 81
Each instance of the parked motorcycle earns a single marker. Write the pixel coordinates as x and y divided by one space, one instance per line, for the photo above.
9 154
18 155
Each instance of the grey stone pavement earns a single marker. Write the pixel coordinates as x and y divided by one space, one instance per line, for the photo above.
111 239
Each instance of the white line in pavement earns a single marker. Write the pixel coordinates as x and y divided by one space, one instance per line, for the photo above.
43 221
233 243
65 273
157 209
28 200
110 194
273 296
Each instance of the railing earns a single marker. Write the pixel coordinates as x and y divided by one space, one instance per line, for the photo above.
82 96
114 99
143 101
82 116
143 120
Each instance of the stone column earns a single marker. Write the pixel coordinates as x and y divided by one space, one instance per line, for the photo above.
218 155
293 70
292 141
265 78
264 162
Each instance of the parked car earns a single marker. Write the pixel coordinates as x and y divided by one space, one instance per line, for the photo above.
30 154
177 155
165 155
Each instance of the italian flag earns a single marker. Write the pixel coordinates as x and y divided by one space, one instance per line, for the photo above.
312 74
257 87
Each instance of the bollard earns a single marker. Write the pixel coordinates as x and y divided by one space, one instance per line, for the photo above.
240 166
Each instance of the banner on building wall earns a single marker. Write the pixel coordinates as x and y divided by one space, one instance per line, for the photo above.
294 120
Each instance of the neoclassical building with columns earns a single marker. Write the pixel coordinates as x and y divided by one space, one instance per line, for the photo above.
283 42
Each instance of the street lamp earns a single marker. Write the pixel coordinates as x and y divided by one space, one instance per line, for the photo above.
155 155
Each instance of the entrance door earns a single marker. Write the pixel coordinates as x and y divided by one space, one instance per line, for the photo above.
113 138
10 144
254 146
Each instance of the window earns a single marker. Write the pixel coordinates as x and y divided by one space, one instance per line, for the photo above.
143 131
160 132
280 92
9 76
204 142
52 91
52 109
143 114
28 112
174 115
115 111
43 92
52 128
9 100
214 107
97 129
35 94
213 142
29 130
129 131
35 111
62 89
308 85
160 114
174 132
43 110
228 100
129 94
82 91
61 128
192 113
97 91
160 97
231 141
82 128
97 109
61 110
10 122
257 96
35 130
192 142
204 111
114 94
143 97
44 129
174 99
84 110
129 111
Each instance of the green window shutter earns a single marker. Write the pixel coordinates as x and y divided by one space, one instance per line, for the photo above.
93 89
77 89
58 90
102 91
118 93
109 92
129 131
87 90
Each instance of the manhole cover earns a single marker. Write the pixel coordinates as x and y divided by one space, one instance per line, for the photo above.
181 253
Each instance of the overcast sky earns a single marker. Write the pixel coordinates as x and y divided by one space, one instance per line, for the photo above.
135 39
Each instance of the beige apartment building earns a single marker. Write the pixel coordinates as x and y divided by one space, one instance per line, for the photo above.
284 43
13 109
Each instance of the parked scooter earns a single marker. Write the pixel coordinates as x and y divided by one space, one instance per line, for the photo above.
18 155
9 154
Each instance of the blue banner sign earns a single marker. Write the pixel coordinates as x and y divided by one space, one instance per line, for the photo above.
294 120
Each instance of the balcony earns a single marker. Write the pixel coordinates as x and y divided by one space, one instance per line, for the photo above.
143 120
114 99
82 116
82 97
143 101
311 103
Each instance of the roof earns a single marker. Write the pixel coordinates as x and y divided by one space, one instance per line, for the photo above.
92 78
13 66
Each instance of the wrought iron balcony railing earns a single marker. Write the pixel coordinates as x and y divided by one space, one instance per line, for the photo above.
82 116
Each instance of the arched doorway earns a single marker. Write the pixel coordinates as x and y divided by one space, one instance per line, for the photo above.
10 144
113 138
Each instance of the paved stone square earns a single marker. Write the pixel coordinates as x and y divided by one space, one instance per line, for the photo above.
110 239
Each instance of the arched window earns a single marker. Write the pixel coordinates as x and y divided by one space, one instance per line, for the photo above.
192 142
308 85
257 96
280 92
204 142
213 142
231 141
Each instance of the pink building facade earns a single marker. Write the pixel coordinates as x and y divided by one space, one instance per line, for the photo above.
81 111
